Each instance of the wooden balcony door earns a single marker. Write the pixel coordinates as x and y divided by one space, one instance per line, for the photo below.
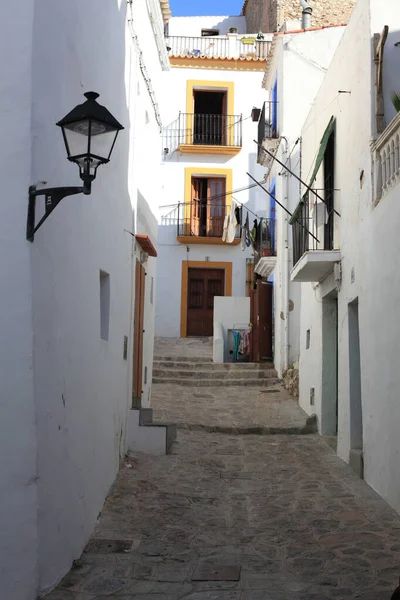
195 209
215 207
207 206
203 286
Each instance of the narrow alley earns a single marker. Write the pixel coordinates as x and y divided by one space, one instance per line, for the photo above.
237 516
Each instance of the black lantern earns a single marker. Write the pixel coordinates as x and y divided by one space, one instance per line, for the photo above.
89 132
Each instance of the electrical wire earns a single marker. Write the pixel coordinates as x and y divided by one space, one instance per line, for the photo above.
144 72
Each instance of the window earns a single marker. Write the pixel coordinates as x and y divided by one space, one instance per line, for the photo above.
207 211
274 111
209 119
209 32
308 339
104 305
329 191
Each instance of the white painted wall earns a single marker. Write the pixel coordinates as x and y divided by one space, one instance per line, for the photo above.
300 62
248 93
229 313
64 389
367 238
192 26
18 485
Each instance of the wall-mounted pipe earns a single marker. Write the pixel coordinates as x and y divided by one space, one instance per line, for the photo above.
306 15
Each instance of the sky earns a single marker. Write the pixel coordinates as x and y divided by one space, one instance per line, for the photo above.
182 8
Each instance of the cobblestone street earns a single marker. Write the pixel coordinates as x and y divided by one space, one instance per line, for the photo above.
239 518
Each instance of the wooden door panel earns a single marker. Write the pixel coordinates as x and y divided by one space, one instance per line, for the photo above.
261 322
203 286
195 208
215 207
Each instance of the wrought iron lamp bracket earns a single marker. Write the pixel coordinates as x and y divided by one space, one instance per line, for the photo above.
53 197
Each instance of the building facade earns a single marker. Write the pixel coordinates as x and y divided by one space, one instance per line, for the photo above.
67 319
215 81
271 15
295 70
346 264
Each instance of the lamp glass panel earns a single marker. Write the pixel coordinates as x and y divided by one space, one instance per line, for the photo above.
77 135
102 140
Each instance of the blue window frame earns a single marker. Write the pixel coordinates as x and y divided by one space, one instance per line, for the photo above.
274 108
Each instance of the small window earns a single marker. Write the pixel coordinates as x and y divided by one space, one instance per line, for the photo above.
104 305
308 339
209 32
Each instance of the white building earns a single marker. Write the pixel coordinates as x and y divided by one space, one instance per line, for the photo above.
296 67
66 351
209 148
349 339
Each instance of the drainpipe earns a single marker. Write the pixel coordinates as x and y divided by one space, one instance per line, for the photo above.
286 269
306 16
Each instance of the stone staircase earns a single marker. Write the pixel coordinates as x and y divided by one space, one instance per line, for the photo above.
202 372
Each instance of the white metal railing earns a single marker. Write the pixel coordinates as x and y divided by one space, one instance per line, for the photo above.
387 158
232 46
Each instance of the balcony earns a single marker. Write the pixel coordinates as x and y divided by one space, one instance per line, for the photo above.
267 133
387 159
313 228
200 222
265 248
232 47
209 134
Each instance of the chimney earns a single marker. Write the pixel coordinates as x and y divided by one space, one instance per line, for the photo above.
306 16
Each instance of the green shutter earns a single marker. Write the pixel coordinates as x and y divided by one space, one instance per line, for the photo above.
322 149
320 157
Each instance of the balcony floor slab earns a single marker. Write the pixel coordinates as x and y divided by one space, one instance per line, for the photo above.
315 265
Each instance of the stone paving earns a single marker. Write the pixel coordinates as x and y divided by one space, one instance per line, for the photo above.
251 408
227 409
239 518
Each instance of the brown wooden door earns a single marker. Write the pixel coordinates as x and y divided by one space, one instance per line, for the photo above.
215 207
138 334
195 209
203 286
261 322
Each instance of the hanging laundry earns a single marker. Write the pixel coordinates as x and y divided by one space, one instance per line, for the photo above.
245 232
237 215
254 230
236 344
230 225
246 342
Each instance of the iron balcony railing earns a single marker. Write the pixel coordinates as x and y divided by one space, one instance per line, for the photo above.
210 130
312 227
265 242
245 47
267 124
202 219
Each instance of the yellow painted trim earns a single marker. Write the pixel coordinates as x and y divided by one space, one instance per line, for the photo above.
206 172
197 149
219 64
199 264
204 84
191 239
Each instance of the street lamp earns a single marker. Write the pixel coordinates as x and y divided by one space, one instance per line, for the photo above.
89 133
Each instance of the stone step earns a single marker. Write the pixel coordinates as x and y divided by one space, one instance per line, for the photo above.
182 365
184 359
208 382
225 375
